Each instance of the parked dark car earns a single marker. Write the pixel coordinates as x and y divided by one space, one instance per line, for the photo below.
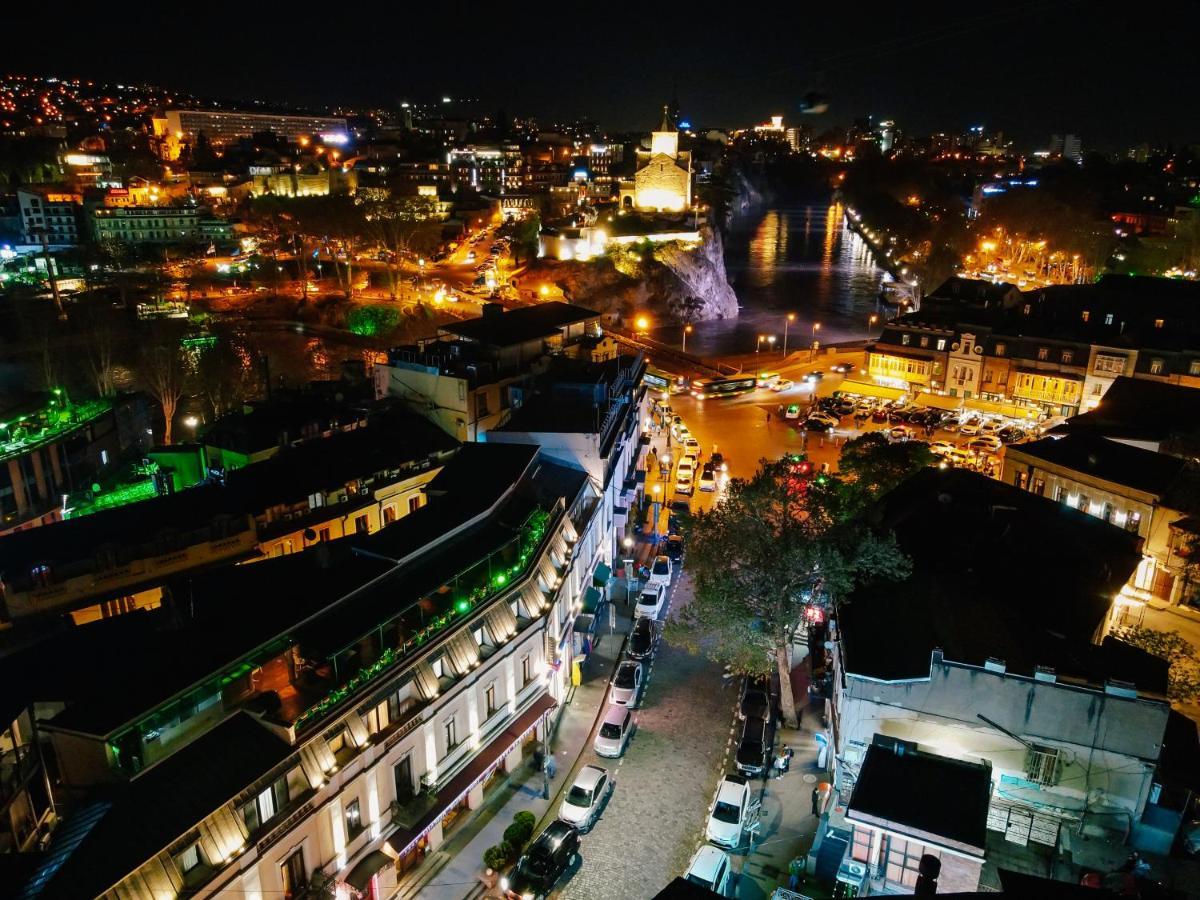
541 866
641 638
754 747
755 704
674 547
1012 434
817 425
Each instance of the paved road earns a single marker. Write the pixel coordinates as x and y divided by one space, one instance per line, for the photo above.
665 781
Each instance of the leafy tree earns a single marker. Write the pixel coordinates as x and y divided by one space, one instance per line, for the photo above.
525 239
779 540
392 223
1183 678
876 465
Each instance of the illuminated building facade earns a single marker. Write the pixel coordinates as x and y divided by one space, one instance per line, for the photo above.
51 211
663 180
178 127
366 705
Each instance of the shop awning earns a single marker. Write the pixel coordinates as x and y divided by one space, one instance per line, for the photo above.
402 840
591 600
937 401
870 389
360 875
584 624
601 576
1011 410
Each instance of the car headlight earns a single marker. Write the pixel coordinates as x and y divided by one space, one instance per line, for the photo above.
504 884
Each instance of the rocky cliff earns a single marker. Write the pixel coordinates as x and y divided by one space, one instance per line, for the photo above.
685 281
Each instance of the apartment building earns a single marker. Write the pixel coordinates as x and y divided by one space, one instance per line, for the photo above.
177 127
50 211
119 559
372 695
50 445
470 378
994 652
147 224
1055 350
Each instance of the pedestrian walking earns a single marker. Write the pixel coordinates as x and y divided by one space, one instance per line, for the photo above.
796 869
788 753
768 417
551 766
816 800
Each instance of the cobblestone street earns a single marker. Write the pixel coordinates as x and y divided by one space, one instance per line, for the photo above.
665 781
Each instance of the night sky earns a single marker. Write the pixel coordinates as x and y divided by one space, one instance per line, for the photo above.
1114 73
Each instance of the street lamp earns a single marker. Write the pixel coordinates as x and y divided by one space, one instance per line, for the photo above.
757 367
815 343
642 324
871 324
791 317
657 491
687 329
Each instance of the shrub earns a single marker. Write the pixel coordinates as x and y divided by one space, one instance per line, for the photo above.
499 856
519 833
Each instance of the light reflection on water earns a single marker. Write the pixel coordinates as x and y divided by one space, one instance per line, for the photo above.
794 259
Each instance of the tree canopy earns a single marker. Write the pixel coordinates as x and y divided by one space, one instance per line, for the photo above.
876 465
777 542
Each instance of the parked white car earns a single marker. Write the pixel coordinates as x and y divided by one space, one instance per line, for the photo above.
650 601
614 732
660 572
626 684
711 868
581 806
727 820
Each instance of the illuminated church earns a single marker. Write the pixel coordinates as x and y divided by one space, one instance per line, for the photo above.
663 180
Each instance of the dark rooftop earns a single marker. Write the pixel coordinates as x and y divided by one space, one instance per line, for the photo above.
996 572
164 802
149 657
1141 409
389 443
928 793
281 421
1143 470
526 323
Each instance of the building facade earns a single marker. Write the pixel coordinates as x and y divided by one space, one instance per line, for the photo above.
340 755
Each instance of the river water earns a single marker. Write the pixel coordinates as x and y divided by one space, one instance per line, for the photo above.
796 259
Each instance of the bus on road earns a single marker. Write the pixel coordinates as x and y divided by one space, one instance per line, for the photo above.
731 386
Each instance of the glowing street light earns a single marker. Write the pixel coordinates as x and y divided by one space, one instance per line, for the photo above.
871 324
790 317
642 324
687 329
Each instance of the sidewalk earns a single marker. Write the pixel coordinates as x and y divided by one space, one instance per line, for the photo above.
788 824
456 870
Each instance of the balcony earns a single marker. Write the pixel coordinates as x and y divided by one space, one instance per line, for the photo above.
16 767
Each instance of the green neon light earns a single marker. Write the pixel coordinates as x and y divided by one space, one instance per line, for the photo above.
530 538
